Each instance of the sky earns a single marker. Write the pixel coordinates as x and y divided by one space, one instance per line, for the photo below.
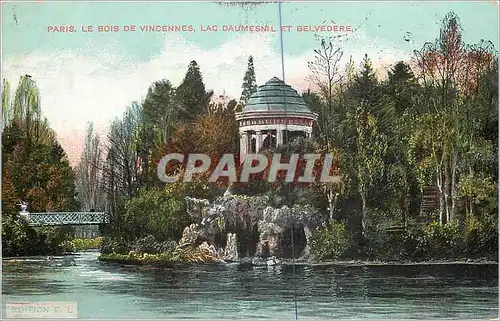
93 76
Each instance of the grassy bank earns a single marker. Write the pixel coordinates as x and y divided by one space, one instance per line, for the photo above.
186 255
147 259
76 245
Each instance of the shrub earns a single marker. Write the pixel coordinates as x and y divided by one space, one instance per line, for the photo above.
481 236
414 243
380 242
20 239
114 245
330 242
68 247
156 213
443 241
86 244
148 244
383 245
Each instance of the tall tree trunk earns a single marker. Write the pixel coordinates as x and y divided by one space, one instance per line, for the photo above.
363 213
406 203
441 194
331 202
446 187
454 161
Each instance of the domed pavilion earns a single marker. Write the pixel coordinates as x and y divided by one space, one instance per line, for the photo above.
273 113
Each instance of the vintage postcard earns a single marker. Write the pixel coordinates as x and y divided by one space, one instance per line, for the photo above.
249 160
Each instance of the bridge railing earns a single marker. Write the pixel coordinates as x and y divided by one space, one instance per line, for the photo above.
67 218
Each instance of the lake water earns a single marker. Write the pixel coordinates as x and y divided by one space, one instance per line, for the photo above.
104 290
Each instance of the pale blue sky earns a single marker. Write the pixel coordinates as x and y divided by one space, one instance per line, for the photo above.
93 76
385 20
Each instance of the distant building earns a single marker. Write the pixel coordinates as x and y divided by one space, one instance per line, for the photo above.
272 109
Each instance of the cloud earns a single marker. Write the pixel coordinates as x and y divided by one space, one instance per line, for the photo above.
95 84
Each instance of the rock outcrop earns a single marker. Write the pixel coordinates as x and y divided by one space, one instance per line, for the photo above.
238 226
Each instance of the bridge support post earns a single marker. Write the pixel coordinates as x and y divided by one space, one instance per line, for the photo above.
24 213
86 231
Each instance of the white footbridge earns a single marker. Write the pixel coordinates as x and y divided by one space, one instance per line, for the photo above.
65 218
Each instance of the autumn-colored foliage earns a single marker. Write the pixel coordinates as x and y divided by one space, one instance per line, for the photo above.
450 61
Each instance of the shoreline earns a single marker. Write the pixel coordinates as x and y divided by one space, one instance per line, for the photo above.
395 263
351 263
45 256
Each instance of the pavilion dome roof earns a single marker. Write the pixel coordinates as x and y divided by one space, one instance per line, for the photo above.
276 96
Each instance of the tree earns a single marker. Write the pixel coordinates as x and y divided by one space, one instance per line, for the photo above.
158 116
159 110
249 83
365 87
26 111
121 171
371 149
397 121
35 169
365 154
41 174
327 78
191 95
402 87
213 134
9 197
450 70
6 107
61 188
88 173
157 213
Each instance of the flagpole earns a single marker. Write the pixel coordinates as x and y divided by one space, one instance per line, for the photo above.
286 136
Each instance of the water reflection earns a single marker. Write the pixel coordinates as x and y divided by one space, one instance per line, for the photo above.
244 291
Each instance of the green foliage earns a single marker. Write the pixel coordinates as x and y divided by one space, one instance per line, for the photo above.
331 242
152 220
444 241
88 172
155 212
133 257
19 239
249 82
138 258
413 243
479 194
171 253
9 197
148 244
114 244
481 236
6 110
75 245
423 242
36 169
191 94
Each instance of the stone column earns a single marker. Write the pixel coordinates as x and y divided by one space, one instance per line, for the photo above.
258 141
308 133
243 145
279 137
